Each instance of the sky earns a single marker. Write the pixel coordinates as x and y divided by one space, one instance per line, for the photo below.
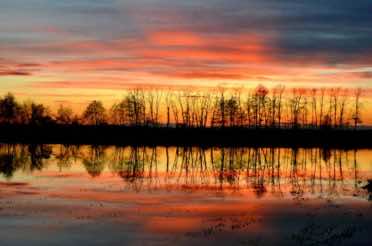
70 51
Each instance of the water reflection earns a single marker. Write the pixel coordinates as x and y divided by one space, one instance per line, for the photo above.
275 171
94 160
30 158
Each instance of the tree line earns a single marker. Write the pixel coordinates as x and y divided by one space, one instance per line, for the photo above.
257 108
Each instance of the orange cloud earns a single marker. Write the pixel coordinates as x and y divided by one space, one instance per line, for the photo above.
181 55
172 38
217 48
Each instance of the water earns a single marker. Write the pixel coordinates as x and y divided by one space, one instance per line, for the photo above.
184 195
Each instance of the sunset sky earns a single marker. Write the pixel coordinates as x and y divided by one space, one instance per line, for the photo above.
71 51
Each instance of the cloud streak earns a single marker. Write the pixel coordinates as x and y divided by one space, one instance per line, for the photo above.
14 73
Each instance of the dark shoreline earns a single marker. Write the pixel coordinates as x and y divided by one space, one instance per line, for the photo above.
119 135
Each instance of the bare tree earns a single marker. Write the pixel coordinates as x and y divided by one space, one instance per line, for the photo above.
119 113
357 114
153 100
314 104
342 107
168 103
135 108
260 104
280 91
295 106
321 115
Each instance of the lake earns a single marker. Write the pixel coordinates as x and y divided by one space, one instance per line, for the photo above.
135 195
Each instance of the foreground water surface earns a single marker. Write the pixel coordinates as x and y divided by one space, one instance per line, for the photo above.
100 195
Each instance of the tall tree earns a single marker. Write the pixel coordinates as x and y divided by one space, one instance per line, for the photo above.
64 115
119 113
9 109
94 114
357 115
261 101
39 115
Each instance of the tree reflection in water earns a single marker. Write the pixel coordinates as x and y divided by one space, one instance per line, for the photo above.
94 161
27 158
278 171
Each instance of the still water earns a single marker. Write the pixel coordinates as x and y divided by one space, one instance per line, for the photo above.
56 194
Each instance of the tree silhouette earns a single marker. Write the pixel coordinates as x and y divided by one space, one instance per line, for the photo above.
94 114
9 109
260 98
95 162
9 162
34 114
132 108
37 155
64 115
39 114
357 114
119 113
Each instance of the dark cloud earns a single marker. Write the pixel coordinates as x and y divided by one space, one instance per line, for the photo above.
338 31
14 73
29 65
